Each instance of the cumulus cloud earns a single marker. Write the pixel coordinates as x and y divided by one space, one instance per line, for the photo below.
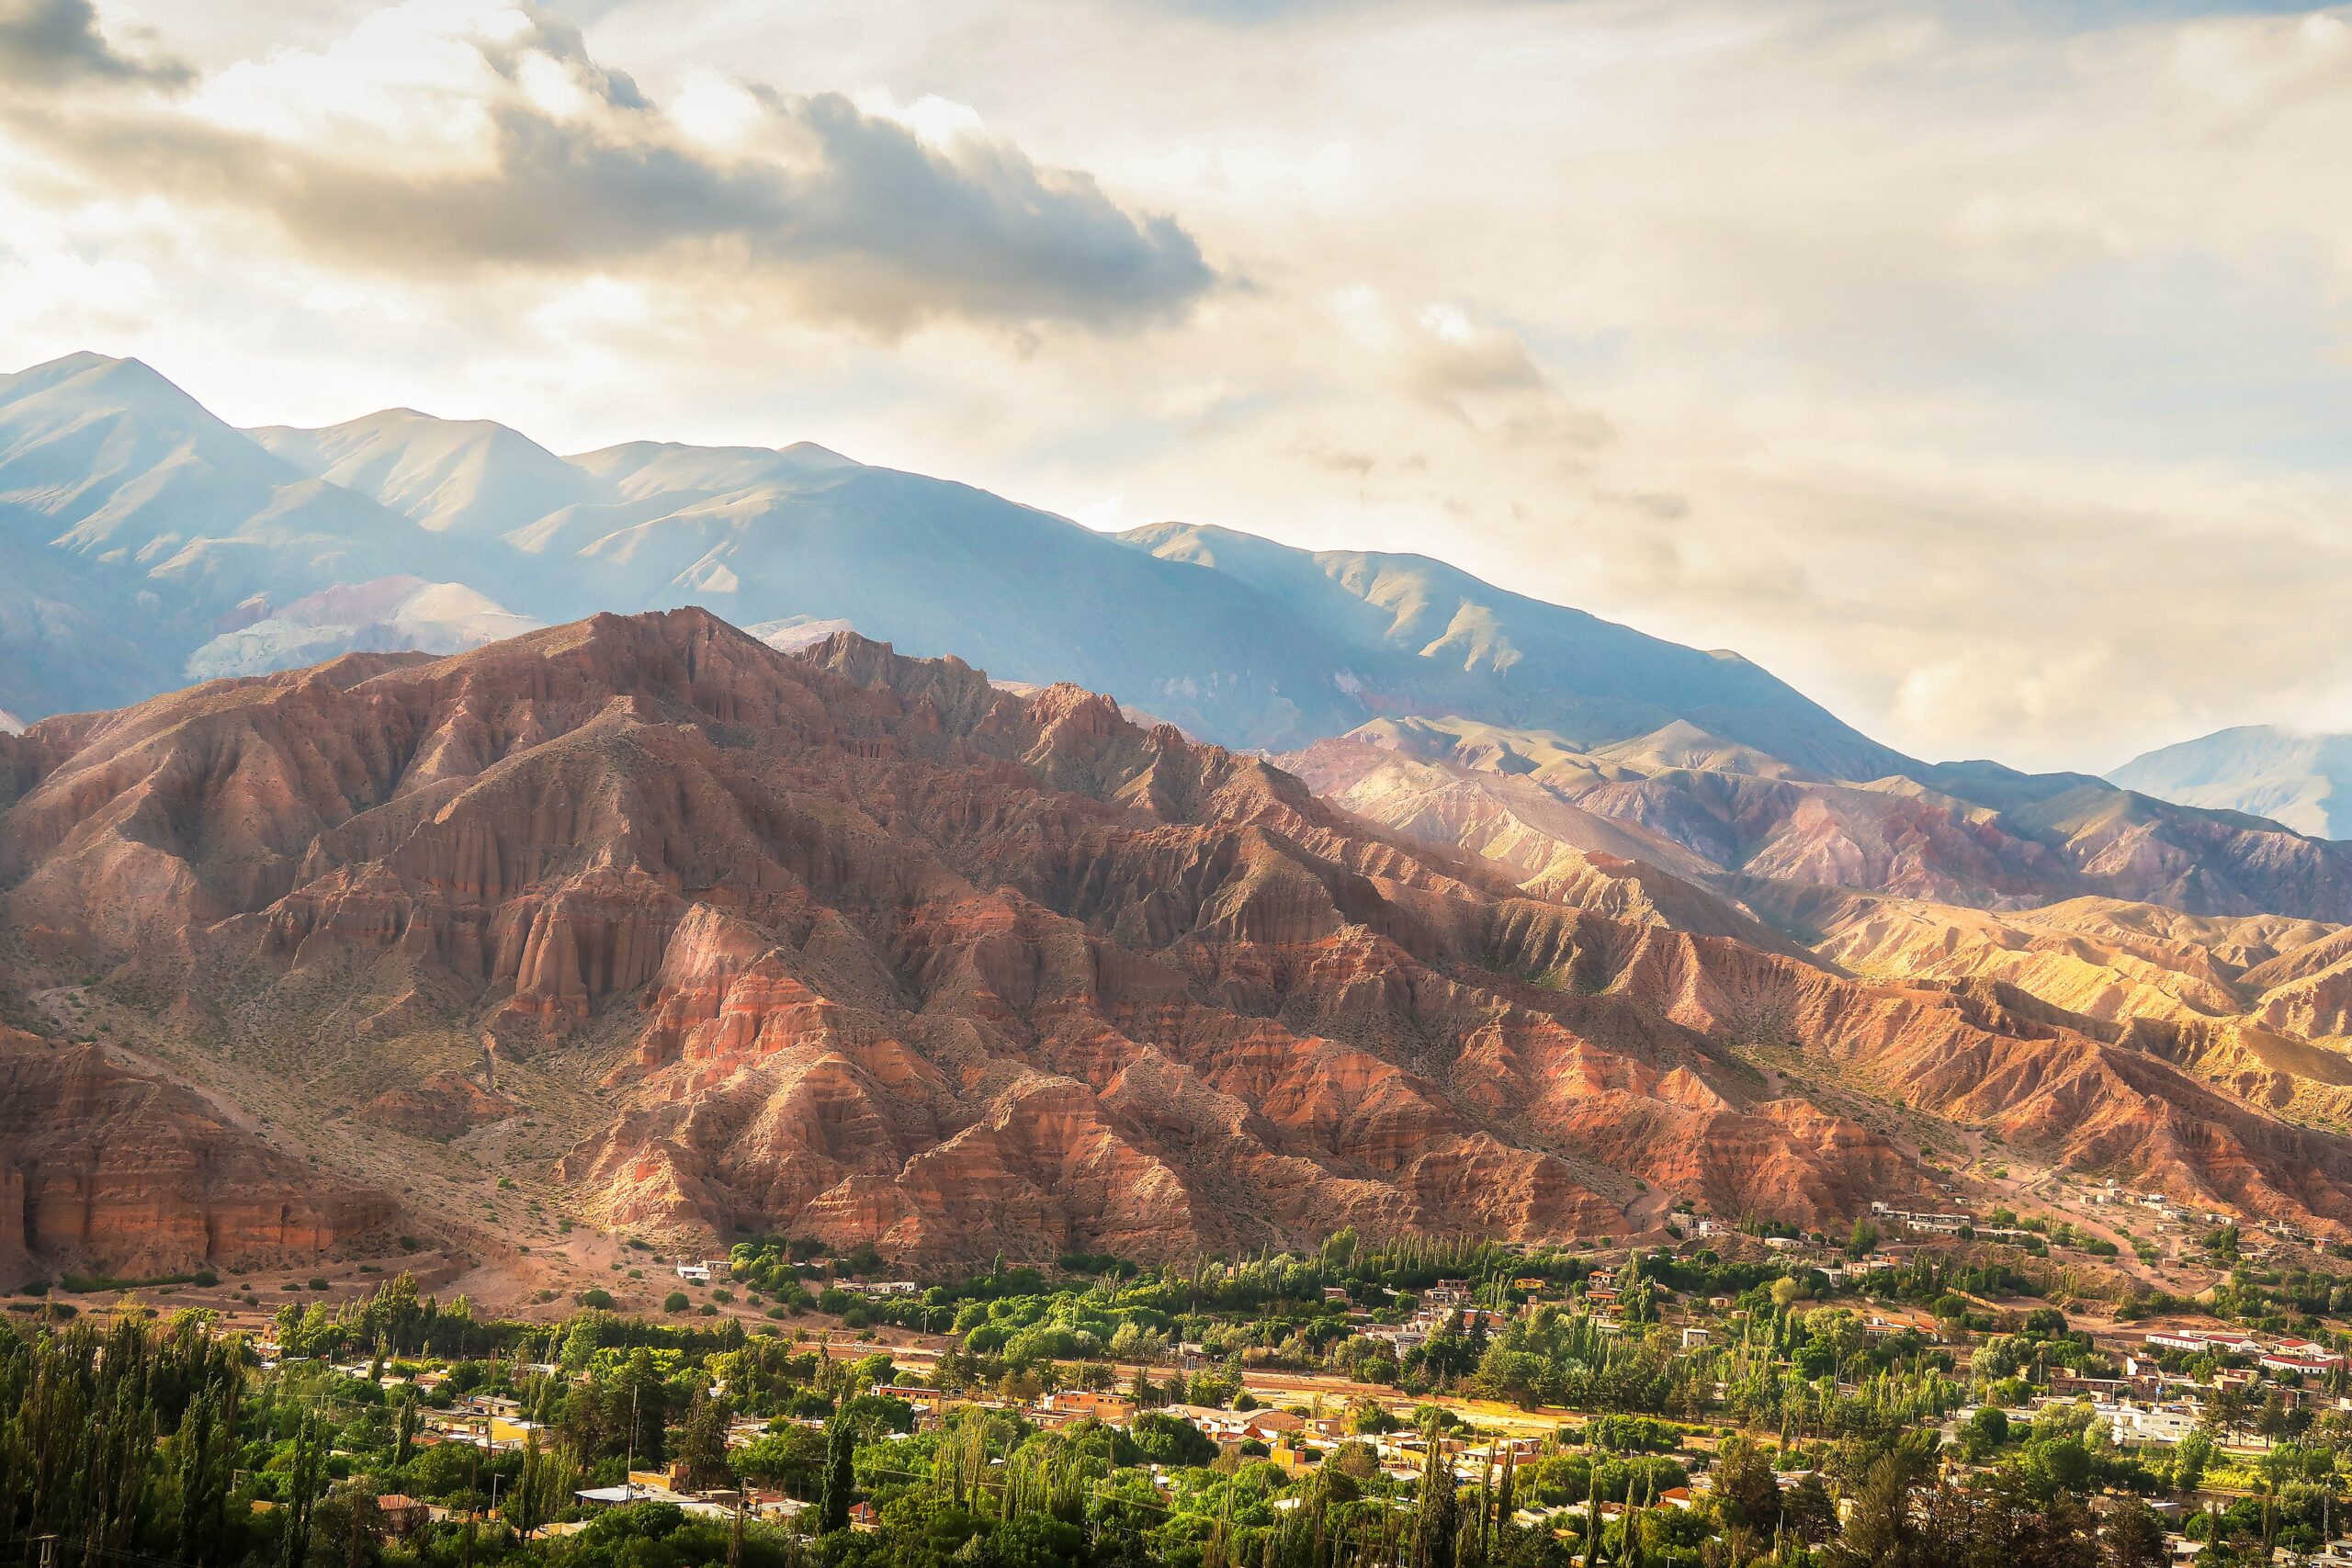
48 43
551 163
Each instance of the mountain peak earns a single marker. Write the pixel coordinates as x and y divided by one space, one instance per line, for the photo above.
472 477
98 382
2303 778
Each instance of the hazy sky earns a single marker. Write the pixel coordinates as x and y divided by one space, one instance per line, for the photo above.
1983 370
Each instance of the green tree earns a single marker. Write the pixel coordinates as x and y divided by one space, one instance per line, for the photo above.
790 1457
405 1422
1985 1432
540 1492
840 1476
2135 1536
306 1478
702 1442
2190 1460
1435 1520
1878 1530
1746 1487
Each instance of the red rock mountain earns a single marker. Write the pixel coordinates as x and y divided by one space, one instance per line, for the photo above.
1966 833
106 1165
840 943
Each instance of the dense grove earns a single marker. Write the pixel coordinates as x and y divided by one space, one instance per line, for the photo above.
1725 1415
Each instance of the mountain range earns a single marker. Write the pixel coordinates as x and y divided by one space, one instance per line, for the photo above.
686 933
2296 777
154 545
961 878
142 528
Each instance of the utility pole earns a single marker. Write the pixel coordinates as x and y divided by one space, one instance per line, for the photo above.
629 1483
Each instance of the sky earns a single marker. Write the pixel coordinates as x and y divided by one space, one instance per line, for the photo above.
1984 369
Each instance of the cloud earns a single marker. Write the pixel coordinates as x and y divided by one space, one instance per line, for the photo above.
45 44
1472 370
556 165
1983 370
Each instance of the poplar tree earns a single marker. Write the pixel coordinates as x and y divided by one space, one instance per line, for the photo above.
840 1476
1434 1524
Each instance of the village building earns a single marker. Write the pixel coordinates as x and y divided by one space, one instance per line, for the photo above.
1084 1403
402 1516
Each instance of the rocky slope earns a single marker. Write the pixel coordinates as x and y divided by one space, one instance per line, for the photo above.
106 1167
1964 834
866 946
1904 885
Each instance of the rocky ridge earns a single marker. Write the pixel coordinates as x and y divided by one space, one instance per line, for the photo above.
864 946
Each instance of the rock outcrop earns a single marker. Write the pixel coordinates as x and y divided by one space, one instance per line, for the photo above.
444 1105
108 1166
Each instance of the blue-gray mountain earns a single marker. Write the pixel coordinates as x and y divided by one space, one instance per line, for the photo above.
145 544
144 528
2293 776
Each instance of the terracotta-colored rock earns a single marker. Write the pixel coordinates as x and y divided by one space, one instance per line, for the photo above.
110 1167
441 1106
862 946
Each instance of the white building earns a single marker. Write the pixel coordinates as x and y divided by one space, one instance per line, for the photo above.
2130 1424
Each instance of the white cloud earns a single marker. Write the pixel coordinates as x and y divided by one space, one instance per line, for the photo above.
1985 375
448 139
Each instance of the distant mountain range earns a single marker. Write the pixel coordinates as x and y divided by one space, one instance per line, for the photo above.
145 544
136 530
1528 925
2302 779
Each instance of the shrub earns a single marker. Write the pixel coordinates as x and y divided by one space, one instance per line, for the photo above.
675 1302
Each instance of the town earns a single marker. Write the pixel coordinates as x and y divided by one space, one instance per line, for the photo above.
1739 1398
